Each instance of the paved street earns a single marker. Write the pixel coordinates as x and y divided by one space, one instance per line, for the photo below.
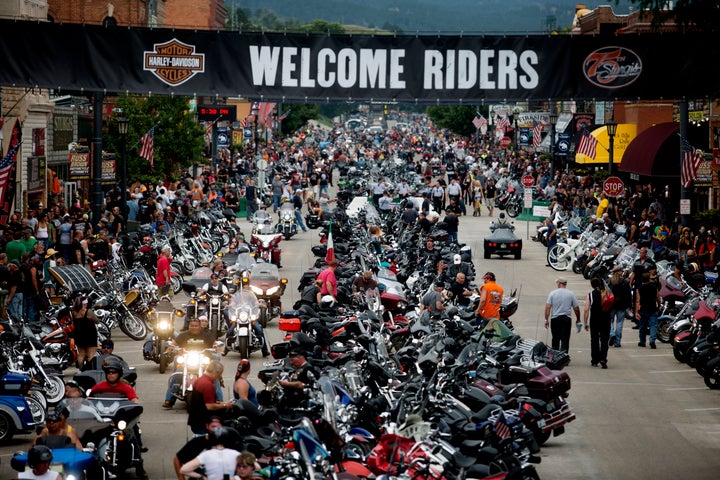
647 416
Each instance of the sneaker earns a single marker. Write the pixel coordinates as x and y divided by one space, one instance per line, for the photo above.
593 364
652 345
168 404
618 346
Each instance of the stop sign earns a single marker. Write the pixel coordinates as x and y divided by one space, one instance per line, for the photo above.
504 142
528 181
613 187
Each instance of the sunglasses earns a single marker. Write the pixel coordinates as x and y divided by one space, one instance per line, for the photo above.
113 372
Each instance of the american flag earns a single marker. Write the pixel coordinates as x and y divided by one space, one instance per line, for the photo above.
501 426
284 115
148 146
479 121
7 164
244 122
502 123
537 133
587 144
692 158
265 111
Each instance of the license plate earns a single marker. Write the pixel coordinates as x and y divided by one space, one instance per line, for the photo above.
502 245
541 424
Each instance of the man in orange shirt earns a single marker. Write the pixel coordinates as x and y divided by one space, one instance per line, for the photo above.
490 298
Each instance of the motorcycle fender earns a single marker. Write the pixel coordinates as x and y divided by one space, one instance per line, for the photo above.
11 410
683 336
243 331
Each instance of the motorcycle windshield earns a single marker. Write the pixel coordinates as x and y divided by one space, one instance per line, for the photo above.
244 261
244 301
261 216
201 274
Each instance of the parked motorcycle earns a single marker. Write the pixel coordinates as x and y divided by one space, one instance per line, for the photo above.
19 412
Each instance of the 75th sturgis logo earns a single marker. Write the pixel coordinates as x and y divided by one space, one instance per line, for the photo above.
174 62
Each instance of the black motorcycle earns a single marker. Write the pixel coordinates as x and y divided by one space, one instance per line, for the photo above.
156 346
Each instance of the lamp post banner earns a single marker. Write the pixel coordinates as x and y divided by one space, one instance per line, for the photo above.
322 68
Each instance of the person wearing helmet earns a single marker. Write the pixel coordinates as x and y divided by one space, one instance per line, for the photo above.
490 298
39 458
218 462
113 382
57 433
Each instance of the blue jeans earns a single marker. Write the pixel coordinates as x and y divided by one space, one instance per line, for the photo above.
324 188
15 307
29 308
276 202
617 318
299 220
648 319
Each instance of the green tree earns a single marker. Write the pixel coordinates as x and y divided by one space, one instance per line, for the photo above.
456 118
178 140
321 26
300 113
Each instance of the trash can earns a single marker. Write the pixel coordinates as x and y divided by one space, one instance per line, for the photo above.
242 210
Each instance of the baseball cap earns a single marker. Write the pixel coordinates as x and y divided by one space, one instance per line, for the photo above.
203 318
457 259
561 280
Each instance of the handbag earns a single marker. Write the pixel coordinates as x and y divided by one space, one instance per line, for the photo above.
608 300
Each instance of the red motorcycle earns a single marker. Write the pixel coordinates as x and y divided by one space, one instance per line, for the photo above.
265 246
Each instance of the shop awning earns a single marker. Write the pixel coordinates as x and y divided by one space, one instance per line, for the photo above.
626 133
655 152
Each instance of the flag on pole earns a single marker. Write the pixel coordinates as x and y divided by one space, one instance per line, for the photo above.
537 133
148 146
265 111
501 426
330 255
587 144
479 121
502 123
284 115
692 158
7 171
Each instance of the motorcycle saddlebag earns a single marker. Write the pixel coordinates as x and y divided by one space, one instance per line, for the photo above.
280 350
275 256
548 384
289 324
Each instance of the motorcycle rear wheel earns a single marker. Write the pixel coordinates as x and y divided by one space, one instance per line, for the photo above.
7 428
558 257
176 283
134 327
39 396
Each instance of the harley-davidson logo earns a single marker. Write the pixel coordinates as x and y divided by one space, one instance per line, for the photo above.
174 62
612 67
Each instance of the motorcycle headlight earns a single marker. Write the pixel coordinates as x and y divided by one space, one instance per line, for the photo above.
163 325
266 244
256 290
254 316
243 316
205 360
215 301
193 359
233 318
287 216
273 290
122 425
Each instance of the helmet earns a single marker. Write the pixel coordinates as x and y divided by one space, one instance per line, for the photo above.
327 301
693 268
57 413
502 215
224 436
39 454
113 364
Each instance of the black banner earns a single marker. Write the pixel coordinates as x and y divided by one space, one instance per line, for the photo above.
417 69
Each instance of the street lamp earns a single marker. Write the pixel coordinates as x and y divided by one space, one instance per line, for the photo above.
553 122
611 131
123 124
